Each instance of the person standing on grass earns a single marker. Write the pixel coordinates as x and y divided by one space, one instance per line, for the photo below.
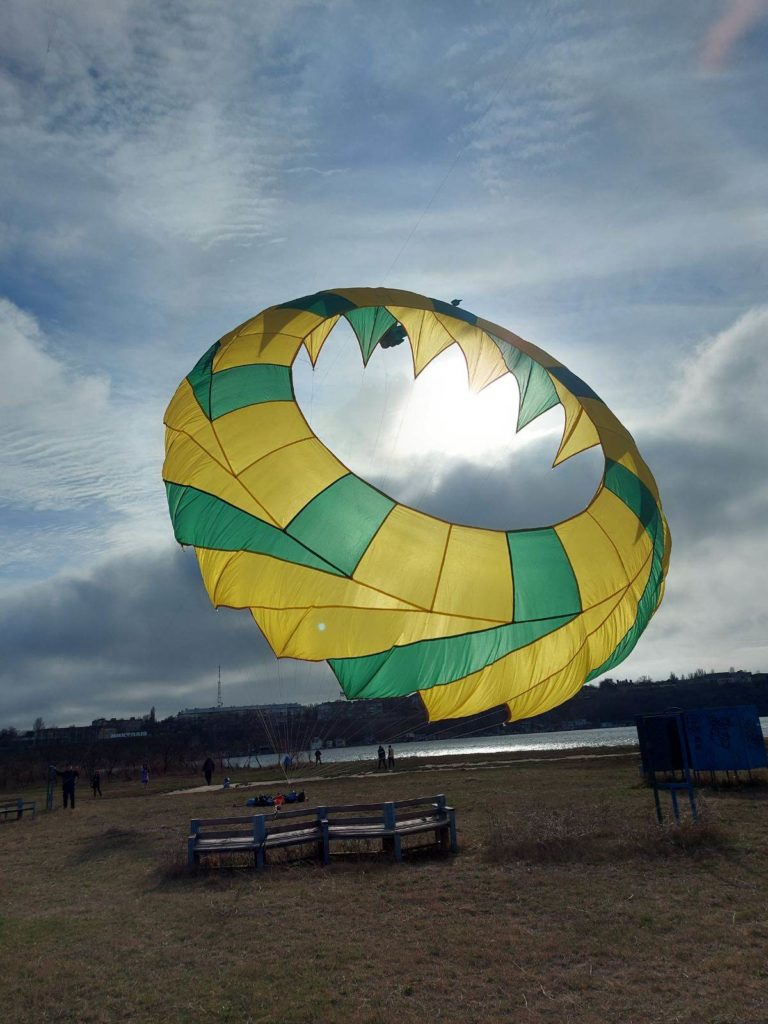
208 767
382 759
69 777
390 758
96 782
144 776
318 757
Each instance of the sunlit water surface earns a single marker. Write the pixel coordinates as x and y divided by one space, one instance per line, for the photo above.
625 736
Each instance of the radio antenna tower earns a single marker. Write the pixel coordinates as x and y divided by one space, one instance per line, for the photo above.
219 701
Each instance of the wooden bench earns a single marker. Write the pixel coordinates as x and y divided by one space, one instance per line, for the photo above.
318 827
16 807
394 820
255 833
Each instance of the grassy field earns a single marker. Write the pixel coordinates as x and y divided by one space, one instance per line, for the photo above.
566 904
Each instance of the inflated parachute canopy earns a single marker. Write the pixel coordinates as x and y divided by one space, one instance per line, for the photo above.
397 601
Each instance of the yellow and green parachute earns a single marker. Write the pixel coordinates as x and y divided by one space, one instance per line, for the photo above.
399 602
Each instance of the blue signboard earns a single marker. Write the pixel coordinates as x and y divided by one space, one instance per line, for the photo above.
725 739
711 740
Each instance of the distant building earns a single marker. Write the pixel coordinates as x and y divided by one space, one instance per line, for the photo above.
243 709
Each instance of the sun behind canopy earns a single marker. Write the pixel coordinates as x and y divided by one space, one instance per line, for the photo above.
396 600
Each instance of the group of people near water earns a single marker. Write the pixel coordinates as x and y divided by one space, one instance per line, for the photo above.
70 774
386 759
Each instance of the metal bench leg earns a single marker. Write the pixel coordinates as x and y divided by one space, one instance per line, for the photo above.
259 839
659 815
325 845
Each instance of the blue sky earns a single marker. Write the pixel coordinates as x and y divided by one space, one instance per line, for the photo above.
591 176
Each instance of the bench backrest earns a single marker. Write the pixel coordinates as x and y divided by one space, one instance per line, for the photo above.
262 825
387 813
259 825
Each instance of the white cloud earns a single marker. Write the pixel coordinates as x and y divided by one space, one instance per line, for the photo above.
80 474
54 421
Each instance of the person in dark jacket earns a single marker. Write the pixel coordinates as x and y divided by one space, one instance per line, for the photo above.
69 777
382 758
96 782
208 767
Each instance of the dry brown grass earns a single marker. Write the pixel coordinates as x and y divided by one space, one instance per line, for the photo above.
566 904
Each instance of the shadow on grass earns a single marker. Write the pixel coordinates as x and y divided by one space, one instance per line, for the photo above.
109 843
595 835
352 855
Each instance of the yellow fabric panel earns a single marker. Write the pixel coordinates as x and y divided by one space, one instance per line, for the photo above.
384 297
595 562
287 479
318 633
485 363
552 692
257 348
250 433
185 415
187 463
296 323
426 334
579 432
315 340
215 570
618 444
405 556
623 528
260 580
476 577
507 679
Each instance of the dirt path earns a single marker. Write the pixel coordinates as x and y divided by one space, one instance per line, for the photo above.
415 770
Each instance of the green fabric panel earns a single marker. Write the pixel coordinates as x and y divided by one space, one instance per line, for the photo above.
325 304
369 324
249 385
202 520
632 491
542 576
428 663
200 379
537 392
341 521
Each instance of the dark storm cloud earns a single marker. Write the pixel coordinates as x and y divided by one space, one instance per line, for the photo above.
135 632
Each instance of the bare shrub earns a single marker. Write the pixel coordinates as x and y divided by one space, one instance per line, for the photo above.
596 834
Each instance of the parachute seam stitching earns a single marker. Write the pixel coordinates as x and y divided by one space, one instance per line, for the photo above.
282 447
440 570
184 433
411 610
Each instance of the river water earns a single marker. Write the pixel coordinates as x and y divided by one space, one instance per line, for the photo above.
625 736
